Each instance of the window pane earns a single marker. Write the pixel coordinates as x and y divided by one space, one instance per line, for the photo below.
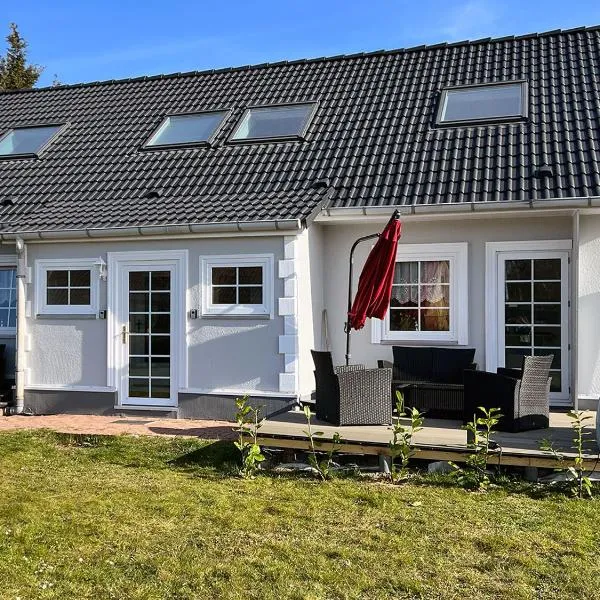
517 314
435 271
404 320
138 344
435 320
80 297
139 280
517 336
547 292
4 312
435 295
161 280
161 388
27 140
224 295
57 278
405 296
547 268
274 121
547 336
250 295
161 367
483 102
187 129
5 298
161 301
223 275
139 388
139 301
139 324
139 366
406 272
8 278
161 345
80 278
547 314
161 323
250 275
518 292
12 317
518 269
57 297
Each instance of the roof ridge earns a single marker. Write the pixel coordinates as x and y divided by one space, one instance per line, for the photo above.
383 52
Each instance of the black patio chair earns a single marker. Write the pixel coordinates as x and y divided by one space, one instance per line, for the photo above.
351 395
522 395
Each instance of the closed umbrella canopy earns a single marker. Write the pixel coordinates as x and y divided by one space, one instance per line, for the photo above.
375 283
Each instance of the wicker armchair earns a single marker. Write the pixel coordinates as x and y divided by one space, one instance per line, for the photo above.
522 395
351 395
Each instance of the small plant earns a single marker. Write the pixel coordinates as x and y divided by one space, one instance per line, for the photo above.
474 475
401 448
581 483
248 423
322 467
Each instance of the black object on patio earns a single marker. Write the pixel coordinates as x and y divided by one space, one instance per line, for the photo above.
351 395
522 395
431 378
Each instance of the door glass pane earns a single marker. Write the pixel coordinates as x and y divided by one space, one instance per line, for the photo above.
518 269
533 312
149 354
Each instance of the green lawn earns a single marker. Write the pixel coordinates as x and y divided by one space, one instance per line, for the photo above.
148 518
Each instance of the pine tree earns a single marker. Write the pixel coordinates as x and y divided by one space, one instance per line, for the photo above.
15 73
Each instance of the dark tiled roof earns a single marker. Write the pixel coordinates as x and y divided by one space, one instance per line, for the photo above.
372 138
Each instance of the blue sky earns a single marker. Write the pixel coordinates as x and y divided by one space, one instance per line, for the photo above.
87 40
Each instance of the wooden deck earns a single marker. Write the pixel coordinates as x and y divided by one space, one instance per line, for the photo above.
439 440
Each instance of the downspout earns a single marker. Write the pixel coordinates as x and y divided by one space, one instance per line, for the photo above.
21 249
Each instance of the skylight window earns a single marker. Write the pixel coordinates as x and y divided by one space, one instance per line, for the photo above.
188 130
274 122
27 141
491 102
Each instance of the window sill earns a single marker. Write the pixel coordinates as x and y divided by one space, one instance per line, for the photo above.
233 316
431 342
66 316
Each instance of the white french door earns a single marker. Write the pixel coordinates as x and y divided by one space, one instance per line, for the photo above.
533 312
146 330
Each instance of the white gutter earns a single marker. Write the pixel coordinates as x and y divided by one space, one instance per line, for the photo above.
21 250
484 207
157 230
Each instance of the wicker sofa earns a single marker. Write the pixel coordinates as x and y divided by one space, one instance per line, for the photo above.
431 378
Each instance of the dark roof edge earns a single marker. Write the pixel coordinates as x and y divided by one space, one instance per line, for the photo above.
554 32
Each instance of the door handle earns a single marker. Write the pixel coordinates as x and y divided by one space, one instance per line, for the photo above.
124 334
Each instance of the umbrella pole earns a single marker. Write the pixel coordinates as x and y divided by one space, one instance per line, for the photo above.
347 327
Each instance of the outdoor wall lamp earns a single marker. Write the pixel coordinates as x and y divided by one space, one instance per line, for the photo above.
101 265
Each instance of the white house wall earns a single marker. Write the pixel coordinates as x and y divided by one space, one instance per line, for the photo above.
338 239
223 353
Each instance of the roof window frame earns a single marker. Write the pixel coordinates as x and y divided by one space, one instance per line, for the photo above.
61 127
202 143
275 138
483 120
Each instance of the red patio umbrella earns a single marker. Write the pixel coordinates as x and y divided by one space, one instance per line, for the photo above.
375 283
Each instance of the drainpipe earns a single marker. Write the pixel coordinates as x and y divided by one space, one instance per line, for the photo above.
21 249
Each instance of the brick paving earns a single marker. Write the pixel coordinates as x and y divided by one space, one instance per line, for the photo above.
116 425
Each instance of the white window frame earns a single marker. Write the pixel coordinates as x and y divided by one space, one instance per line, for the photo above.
8 262
236 310
66 264
457 254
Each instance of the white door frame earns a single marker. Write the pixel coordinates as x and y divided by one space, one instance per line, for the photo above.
116 264
494 309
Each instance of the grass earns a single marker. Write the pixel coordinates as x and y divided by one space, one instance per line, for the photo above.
126 517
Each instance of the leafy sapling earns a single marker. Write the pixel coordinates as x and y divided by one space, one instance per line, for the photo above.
248 423
323 467
581 482
474 475
401 446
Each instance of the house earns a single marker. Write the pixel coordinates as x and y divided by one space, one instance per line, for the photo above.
171 242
